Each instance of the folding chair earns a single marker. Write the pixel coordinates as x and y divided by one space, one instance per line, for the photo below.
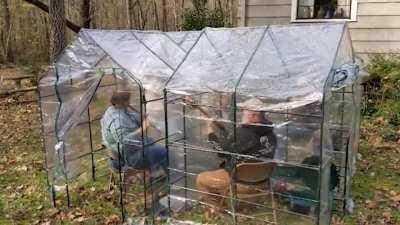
251 180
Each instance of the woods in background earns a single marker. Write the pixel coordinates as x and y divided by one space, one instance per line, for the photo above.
25 27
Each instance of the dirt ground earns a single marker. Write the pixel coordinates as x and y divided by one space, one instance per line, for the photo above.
24 198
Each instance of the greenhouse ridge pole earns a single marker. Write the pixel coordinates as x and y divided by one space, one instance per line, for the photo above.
151 51
177 44
271 35
183 39
266 29
116 62
216 50
184 58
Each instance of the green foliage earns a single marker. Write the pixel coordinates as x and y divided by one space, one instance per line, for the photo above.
390 111
200 17
216 18
383 90
199 3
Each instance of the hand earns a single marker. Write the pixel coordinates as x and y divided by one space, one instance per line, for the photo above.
188 100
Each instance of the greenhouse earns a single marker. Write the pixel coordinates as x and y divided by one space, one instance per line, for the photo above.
255 125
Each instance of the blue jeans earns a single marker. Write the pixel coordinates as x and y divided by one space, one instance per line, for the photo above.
155 157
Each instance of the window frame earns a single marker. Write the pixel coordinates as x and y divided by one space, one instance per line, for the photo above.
353 15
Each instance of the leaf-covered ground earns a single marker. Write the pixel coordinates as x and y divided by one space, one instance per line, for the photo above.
24 198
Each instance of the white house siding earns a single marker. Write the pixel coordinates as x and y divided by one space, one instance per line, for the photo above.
376 31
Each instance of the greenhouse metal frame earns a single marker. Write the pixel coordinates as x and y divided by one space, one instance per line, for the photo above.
172 75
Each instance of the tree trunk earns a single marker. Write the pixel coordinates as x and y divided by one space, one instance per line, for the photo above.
130 14
164 9
57 28
6 37
75 28
174 11
86 13
142 16
93 9
157 21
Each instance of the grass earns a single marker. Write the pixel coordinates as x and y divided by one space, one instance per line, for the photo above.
377 181
25 200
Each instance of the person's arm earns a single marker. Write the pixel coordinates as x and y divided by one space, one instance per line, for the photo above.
212 126
137 133
126 132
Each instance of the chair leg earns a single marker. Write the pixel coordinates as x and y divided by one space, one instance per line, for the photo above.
232 189
273 206
222 201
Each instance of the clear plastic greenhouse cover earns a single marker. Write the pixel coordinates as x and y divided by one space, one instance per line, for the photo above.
284 63
284 66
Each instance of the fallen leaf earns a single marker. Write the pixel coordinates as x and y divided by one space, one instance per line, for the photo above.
113 219
52 212
387 215
22 168
372 204
396 198
337 221
80 219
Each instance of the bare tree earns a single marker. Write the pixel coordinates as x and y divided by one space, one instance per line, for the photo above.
164 10
143 13
57 28
156 15
92 11
131 13
6 36
45 8
85 12
175 15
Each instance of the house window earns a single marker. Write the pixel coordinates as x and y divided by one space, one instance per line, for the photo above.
323 10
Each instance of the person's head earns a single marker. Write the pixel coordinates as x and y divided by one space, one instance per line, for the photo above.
120 99
249 117
251 112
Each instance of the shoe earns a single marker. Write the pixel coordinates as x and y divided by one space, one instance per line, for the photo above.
161 212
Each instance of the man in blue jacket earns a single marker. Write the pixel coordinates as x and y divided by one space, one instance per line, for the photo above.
122 135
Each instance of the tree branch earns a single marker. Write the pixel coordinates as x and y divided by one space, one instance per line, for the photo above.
45 8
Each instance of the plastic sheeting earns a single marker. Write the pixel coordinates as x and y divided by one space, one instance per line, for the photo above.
291 71
276 62
284 63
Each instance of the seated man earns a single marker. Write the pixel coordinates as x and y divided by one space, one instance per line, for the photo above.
122 134
254 137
